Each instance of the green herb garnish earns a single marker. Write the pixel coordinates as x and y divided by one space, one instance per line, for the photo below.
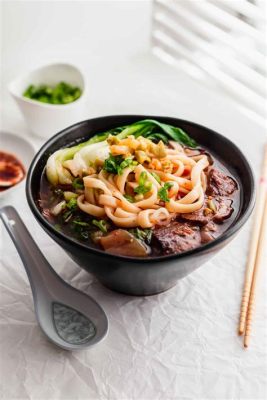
80 223
116 164
78 184
156 176
62 93
142 234
128 162
129 198
163 192
80 228
67 215
71 207
72 204
144 184
101 224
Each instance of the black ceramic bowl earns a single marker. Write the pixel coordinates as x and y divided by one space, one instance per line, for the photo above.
137 276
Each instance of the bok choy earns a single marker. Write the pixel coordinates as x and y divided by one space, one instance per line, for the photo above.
79 157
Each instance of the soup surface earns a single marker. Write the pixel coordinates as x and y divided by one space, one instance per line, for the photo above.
142 190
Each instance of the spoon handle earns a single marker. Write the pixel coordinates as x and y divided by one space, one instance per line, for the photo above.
40 273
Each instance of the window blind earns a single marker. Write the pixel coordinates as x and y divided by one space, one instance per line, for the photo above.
222 40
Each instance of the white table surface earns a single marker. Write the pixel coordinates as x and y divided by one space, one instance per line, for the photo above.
181 344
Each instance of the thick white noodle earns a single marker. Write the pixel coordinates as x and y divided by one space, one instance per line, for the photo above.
104 193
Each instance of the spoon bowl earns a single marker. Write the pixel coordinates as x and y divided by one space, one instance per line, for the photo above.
70 319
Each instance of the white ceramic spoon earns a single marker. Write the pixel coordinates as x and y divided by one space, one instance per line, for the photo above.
69 318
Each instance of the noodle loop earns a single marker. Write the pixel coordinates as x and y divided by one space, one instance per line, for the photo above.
144 196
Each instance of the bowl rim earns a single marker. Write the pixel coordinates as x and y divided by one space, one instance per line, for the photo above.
48 105
100 253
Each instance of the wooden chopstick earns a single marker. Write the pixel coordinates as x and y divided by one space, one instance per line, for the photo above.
253 244
260 251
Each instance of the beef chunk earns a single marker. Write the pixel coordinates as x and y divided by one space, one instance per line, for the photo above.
206 237
220 184
210 227
201 216
223 210
178 237
207 232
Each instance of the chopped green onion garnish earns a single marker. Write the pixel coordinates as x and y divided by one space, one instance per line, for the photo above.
62 93
144 185
129 198
101 224
163 192
78 184
156 176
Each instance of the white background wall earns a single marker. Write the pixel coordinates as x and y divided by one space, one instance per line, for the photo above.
110 41
98 36
91 31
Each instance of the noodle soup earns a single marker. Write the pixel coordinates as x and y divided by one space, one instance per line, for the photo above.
141 190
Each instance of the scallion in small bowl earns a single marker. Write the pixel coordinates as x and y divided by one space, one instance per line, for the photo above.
62 93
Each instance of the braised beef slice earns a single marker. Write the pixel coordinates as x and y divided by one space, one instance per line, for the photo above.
204 215
206 236
178 237
207 232
224 209
200 216
220 184
210 227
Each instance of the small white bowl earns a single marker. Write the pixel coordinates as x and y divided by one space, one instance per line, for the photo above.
21 149
44 119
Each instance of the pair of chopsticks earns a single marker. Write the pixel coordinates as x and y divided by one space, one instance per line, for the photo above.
255 255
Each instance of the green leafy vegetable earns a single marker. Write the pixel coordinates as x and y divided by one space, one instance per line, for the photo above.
116 164
144 185
78 184
142 234
163 192
72 204
171 132
62 93
156 137
101 224
156 130
70 208
79 226
97 148
112 164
